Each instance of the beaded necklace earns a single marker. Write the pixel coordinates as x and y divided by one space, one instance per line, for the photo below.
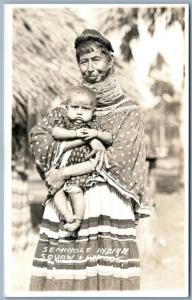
108 92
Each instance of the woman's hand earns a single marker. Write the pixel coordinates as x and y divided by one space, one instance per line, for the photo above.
55 178
100 155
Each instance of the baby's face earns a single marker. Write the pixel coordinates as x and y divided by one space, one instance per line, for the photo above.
80 108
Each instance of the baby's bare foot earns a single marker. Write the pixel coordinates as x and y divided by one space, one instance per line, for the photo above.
73 226
69 218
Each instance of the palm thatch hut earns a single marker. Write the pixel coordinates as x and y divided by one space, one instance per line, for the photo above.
43 68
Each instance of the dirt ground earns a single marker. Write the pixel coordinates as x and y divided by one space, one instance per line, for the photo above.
164 267
161 250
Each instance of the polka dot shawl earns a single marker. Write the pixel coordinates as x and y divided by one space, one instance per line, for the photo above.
127 155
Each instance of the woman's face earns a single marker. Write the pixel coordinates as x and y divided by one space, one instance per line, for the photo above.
95 65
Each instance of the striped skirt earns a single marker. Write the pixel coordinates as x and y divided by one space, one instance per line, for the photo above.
102 255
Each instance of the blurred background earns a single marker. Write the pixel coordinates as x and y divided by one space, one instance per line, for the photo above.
150 63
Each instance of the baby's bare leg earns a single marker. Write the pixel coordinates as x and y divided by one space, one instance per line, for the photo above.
60 201
78 204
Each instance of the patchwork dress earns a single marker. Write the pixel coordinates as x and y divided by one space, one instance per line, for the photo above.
103 253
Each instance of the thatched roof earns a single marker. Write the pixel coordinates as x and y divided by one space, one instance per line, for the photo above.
44 63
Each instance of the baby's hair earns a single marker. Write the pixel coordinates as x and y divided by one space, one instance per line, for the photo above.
82 90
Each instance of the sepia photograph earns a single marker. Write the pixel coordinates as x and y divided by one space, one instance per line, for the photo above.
96 152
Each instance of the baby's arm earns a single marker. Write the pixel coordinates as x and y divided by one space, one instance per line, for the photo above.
67 134
104 136
63 133
56 177
71 137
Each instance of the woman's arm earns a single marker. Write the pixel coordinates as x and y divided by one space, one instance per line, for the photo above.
56 177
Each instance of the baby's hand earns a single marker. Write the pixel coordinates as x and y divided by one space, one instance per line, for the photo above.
89 133
80 133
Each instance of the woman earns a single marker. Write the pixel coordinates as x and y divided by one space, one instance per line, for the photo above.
103 254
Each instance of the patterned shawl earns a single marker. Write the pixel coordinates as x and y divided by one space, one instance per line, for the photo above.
127 155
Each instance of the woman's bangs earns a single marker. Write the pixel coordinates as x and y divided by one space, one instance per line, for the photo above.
84 49
87 47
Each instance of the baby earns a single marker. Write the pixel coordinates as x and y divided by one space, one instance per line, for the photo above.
78 123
